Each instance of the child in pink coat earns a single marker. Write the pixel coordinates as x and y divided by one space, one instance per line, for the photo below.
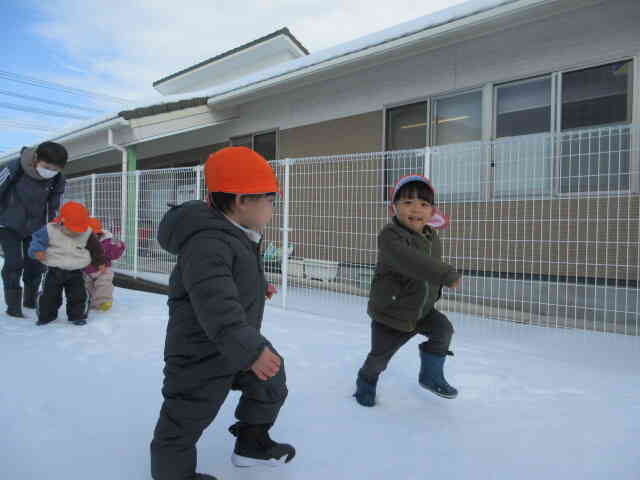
100 284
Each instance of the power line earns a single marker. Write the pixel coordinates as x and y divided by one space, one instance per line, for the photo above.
22 108
49 102
27 80
26 125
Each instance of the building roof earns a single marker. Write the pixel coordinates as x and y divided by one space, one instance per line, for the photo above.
284 31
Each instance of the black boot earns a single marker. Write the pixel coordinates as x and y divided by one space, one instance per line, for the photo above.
255 447
204 476
365 392
13 297
30 295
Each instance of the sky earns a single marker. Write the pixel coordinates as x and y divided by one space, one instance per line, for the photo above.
118 48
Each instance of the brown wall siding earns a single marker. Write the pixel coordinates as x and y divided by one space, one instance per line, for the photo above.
186 158
587 237
359 133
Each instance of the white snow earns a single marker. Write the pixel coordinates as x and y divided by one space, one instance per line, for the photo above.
80 403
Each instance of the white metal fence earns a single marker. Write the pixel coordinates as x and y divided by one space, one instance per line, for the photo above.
545 228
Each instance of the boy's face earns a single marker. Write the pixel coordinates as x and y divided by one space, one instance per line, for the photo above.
255 213
413 213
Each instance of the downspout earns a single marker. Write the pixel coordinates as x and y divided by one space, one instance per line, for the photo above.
123 188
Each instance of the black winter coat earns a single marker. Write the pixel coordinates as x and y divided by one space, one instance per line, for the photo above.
27 204
216 293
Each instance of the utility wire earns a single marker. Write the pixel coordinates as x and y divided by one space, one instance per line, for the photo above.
27 80
49 102
23 108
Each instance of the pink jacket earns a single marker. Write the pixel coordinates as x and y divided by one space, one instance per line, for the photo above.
113 249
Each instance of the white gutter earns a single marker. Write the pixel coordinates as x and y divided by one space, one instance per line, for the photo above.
77 133
123 188
375 50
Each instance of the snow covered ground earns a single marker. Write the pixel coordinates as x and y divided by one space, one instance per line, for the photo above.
80 403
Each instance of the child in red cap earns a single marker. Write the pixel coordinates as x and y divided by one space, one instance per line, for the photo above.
99 283
407 284
214 342
66 246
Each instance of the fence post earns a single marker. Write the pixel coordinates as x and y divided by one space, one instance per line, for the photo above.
93 194
285 236
198 173
427 162
136 252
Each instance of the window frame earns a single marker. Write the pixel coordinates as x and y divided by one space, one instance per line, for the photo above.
252 136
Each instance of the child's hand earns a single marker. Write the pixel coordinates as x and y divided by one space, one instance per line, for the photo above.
271 291
102 268
456 284
41 256
267 365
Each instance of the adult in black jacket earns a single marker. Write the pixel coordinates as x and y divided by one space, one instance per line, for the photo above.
30 191
216 300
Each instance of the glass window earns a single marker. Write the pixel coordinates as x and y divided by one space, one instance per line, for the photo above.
597 96
596 160
523 108
456 168
266 145
522 165
407 127
457 119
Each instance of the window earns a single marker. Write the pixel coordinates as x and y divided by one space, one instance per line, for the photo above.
523 166
457 169
596 161
457 119
454 119
406 128
523 108
266 144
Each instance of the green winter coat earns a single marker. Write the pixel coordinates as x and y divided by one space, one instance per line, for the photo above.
409 276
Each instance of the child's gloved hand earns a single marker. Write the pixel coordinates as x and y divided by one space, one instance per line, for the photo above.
267 365
41 256
271 291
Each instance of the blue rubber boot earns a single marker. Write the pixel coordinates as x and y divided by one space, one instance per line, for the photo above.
431 375
365 392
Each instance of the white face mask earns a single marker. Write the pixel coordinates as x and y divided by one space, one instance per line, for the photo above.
46 173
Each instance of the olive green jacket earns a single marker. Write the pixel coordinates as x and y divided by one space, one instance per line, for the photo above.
409 276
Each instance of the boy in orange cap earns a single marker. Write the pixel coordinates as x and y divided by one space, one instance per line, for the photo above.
216 300
66 246
99 283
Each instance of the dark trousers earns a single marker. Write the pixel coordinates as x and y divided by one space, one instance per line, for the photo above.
190 406
386 341
55 282
17 261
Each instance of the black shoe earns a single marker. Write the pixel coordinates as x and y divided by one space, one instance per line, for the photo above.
30 294
13 297
255 447
204 476
44 322
80 321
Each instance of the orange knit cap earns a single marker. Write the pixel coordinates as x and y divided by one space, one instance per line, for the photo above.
74 216
95 224
239 170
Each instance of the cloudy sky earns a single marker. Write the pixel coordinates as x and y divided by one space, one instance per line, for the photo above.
118 48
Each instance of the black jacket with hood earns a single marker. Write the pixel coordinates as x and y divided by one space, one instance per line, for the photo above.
216 294
28 201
